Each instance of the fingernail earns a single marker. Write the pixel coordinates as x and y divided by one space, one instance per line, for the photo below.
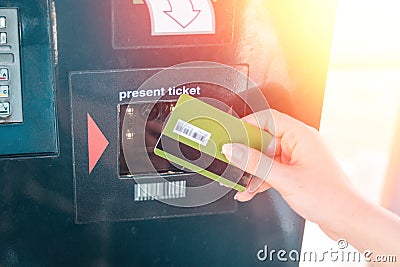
227 150
254 185
233 153
271 147
235 197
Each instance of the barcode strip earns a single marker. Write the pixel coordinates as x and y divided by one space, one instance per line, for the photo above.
192 132
162 190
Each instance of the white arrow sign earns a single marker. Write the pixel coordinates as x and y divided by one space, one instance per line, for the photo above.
181 17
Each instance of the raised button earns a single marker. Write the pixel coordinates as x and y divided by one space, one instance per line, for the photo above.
6 58
3 74
3 38
3 23
5 109
4 91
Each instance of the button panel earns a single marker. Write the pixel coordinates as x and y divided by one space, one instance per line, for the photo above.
10 68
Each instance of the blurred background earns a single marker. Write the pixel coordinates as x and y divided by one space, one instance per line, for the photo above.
361 107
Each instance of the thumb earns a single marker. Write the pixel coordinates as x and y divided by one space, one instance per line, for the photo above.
258 164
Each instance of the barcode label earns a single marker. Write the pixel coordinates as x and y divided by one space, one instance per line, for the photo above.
192 132
162 190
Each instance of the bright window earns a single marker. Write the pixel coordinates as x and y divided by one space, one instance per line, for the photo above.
362 100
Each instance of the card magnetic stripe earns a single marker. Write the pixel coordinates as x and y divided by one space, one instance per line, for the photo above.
205 161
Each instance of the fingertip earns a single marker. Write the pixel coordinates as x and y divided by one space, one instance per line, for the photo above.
248 118
252 119
243 196
226 150
235 153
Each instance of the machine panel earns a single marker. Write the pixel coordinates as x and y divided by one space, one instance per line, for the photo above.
81 187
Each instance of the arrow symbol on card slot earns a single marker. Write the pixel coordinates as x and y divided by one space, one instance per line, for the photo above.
182 12
97 143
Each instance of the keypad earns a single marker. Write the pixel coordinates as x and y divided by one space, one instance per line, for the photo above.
11 110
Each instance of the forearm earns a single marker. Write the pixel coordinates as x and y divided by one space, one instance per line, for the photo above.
369 227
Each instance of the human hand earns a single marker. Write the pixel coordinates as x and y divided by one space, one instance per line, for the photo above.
299 166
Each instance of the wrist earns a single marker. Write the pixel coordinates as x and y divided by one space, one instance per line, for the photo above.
347 211
365 225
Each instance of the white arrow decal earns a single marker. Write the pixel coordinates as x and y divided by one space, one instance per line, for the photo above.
182 12
181 17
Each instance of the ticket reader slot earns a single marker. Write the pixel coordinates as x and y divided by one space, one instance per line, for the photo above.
150 117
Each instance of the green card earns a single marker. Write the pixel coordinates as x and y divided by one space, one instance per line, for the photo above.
194 135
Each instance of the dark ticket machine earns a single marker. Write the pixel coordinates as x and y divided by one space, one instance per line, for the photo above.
85 89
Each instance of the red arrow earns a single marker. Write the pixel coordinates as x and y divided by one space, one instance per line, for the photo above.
182 12
97 143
